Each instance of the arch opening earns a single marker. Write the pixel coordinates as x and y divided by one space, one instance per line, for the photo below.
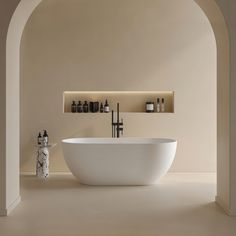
10 191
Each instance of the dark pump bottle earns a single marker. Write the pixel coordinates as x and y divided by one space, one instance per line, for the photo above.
45 137
106 107
79 107
101 108
85 107
39 139
73 107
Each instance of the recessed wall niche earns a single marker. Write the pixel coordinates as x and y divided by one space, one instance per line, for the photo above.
130 101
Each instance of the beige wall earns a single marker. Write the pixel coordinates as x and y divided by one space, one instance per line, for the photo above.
120 45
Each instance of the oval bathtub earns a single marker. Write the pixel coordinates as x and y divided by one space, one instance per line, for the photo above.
119 161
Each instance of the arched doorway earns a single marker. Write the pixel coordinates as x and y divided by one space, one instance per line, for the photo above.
216 19
10 190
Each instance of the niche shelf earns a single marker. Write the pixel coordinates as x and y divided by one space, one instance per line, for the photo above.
130 101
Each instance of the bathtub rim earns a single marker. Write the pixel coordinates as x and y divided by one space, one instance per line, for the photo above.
126 140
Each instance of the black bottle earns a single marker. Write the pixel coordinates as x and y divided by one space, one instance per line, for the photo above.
39 139
45 137
101 108
106 107
94 107
85 107
79 107
73 107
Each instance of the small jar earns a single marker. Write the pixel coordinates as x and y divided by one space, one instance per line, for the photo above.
149 106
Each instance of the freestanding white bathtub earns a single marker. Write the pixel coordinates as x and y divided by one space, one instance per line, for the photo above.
119 161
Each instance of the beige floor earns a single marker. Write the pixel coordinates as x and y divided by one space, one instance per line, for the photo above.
181 204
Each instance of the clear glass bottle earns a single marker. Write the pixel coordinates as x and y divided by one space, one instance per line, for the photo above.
162 105
158 105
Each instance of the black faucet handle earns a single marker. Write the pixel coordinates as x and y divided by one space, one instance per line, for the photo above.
119 130
122 130
121 123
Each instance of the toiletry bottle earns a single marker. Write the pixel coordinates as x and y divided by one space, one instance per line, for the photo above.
91 107
45 138
101 108
149 106
106 107
85 107
79 107
96 106
162 105
73 107
39 139
158 105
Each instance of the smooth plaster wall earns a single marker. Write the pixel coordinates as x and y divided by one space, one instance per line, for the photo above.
221 28
120 45
6 12
228 8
